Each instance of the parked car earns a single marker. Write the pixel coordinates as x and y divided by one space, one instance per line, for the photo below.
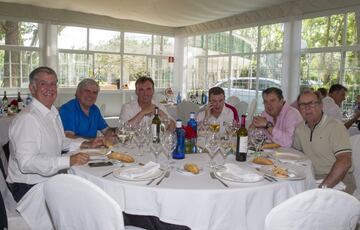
245 88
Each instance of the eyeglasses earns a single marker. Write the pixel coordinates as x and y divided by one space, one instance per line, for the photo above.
310 104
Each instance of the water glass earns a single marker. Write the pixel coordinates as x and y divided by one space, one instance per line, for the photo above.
212 147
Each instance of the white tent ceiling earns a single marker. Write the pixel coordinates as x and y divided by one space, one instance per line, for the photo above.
172 13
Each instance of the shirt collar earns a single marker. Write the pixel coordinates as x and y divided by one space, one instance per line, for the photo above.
43 109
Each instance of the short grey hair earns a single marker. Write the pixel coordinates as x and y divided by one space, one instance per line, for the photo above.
309 91
42 69
85 82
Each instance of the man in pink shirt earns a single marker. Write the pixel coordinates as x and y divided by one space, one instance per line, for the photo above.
279 119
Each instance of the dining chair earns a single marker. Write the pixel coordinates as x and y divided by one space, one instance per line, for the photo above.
241 107
233 100
355 143
315 209
184 109
251 110
76 203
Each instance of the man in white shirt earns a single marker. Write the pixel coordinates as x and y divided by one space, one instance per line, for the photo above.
37 138
332 104
217 110
143 108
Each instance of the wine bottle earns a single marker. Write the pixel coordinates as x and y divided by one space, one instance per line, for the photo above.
5 102
241 141
203 98
20 102
155 126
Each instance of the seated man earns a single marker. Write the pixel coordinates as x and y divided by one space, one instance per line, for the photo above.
279 119
37 138
80 116
325 141
332 104
143 108
217 110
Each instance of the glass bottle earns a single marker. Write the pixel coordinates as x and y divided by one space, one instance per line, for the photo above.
20 102
242 141
5 102
179 152
155 126
193 124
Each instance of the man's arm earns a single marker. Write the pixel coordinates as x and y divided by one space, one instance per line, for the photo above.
350 122
338 171
143 112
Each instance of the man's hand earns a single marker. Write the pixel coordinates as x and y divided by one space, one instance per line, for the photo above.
259 122
208 109
79 159
149 110
94 143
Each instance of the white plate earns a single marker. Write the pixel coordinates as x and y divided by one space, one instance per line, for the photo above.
240 179
293 173
182 171
289 157
118 174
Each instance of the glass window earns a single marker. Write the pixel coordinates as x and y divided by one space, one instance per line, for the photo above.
245 40
104 40
352 76
134 67
218 69
137 43
272 37
161 72
164 45
353 28
73 68
67 35
19 33
219 43
107 70
323 31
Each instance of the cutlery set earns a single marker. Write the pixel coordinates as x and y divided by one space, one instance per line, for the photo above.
212 175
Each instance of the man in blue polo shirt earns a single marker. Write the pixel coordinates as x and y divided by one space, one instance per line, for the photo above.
80 116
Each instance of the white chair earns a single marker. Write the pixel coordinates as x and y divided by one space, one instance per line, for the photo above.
184 109
76 203
233 100
317 209
241 107
355 143
251 110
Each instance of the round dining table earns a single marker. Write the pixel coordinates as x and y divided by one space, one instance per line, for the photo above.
201 202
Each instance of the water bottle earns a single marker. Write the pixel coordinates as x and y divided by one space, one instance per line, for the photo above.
28 100
193 124
1 109
179 152
178 98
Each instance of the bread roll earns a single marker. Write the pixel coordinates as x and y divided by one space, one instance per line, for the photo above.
193 168
121 157
270 146
262 161
280 172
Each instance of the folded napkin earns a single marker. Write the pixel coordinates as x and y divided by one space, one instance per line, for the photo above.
140 171
340 186
234 172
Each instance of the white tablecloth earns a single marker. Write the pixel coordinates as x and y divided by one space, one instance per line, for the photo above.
200 202
353 130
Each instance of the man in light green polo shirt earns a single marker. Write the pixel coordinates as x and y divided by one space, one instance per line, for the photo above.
325 141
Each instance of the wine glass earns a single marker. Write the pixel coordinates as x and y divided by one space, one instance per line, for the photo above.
212 147
169 145
139 141
214 126
156 148
258 137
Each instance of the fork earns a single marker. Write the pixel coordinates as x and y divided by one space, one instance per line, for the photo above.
212 174
167 174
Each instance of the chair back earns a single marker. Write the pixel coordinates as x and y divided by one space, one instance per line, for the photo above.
251 110
75 203
184 109
233 100
241 107
315 209
355 143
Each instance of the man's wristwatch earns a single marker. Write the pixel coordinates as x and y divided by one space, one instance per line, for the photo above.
268 125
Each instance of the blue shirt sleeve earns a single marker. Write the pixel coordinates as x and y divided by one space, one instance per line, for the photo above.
67 119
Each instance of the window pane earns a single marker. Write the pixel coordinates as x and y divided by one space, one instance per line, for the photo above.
322 31
134 67
161 71
107 70
67 35
320 69
353 29
73 68
219 43
271 66
272 37
245 40
352 77
196 74
137 43
30 60
19 33
104 40
164 45
243 66
218 70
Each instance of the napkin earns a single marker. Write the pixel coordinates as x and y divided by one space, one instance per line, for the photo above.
340 186
140 171
234 172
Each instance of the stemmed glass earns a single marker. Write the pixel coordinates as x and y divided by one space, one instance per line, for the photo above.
139 141
214 126
230 129
169 145
224 147
212 147
258 137
156 148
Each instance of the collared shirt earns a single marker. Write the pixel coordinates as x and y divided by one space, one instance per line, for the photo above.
328 139
286 122
36 141
226 115
75 120
331 109
130 109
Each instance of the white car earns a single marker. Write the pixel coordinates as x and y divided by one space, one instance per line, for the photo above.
245 88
